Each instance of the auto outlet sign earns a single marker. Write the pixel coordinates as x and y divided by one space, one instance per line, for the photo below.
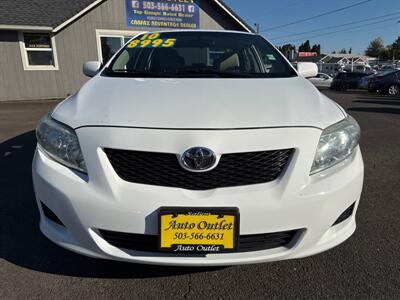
183 14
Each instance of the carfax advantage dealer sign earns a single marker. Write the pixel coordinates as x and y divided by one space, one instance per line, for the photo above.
163 13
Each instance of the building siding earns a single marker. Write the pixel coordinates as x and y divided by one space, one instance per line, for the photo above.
76 44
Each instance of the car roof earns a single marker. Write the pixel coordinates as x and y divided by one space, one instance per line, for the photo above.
388 72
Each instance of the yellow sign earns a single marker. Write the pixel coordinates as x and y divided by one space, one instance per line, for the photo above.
151 40
197 232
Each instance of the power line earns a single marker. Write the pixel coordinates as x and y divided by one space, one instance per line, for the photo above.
337 31
281 8
318 16
331 27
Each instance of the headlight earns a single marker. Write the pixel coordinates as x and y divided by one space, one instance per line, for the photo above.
336 143
60 143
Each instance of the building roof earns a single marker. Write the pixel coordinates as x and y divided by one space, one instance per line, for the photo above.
47 13
235 15
53 14
314 59
332 60
343 55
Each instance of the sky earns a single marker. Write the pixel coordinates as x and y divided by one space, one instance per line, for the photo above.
381 19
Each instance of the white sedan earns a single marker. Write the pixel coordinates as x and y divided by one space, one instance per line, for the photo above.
322 80
198 148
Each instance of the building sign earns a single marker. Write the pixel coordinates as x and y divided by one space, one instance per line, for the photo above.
307 54
184 14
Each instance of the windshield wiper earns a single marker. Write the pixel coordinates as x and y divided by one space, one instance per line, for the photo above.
133 73
189 72
212 72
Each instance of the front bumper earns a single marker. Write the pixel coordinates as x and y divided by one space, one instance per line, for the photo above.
104 201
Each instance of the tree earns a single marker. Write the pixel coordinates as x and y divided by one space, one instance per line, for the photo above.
386 53
316 48
394 49
350 50
376 48
305 47
343 51
287 50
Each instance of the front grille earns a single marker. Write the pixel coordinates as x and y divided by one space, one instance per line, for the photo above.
163 169
247 243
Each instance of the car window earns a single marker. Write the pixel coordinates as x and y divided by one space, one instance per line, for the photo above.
386 73
199 54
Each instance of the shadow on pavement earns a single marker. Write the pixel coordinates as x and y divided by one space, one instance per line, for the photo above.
348 92
379 97
22 243
384 110
378 101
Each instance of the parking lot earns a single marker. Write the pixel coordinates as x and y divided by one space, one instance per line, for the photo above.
365 266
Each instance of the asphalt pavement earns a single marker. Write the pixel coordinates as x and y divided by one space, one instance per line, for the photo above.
365 266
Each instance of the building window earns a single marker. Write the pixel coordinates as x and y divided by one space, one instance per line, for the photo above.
38 51
110 45
110 41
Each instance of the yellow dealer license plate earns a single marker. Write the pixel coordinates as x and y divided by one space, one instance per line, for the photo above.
194 230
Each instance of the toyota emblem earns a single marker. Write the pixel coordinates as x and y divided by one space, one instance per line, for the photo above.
198 159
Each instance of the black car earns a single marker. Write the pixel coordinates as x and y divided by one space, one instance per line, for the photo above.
349 80
386 83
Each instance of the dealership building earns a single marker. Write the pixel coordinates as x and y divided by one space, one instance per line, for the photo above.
44 43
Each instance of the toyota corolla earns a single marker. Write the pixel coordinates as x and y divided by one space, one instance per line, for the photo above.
198 148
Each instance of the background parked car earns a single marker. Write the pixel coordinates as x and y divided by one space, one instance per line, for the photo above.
392 67
386 83
349 80
365 82
322 80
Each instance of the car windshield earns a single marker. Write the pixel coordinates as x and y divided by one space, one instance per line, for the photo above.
199 54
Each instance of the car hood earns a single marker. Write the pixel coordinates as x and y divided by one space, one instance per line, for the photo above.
198 103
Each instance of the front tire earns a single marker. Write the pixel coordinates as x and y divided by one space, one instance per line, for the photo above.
394 90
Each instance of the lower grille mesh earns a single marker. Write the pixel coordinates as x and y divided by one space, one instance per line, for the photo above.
247 243
163 169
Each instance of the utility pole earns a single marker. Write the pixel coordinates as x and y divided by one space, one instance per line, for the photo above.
352 64
394 56
257 27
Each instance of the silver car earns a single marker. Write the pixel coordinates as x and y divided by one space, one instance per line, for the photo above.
322 80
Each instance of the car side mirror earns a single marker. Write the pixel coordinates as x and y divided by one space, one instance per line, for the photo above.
91 68
307 69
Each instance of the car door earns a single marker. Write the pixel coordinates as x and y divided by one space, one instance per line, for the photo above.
326 80
317 80
397 77
353 80
361 76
